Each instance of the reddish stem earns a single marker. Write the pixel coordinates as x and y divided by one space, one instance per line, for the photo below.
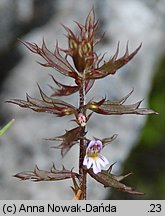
82 153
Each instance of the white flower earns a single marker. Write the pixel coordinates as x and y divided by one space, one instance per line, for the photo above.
93 158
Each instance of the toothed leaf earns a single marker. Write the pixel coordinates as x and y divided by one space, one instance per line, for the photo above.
64 90
47 104
109 180
68 139
42 175
54 60
112 65
117 108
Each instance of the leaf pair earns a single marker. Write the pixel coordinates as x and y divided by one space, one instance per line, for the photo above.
104 177
85 59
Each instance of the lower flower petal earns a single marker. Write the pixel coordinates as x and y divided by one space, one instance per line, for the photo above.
95 162
96 166
103 160
87 162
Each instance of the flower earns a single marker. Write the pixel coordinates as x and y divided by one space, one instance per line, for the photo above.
81 119
93 158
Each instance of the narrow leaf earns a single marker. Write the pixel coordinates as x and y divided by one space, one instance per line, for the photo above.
47 104
112 65
42 175
68 139
107 141
54 60
77 191
108 107
110 180
64 90
6 127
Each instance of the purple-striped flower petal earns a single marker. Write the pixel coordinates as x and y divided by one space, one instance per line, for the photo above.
93 158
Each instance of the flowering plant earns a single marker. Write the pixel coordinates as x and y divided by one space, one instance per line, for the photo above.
87 67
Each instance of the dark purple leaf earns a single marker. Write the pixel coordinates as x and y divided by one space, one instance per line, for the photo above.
54 60
47 104
43 175
109 180
64 90
69 139
112 65
108 107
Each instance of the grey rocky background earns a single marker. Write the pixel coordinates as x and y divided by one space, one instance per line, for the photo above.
23 145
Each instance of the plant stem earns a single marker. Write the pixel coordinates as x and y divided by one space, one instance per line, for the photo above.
82 153
82 171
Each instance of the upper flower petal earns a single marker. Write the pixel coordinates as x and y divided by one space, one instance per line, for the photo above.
99 144
95 143
91 143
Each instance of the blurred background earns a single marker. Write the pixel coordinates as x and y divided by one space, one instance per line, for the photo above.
139 147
